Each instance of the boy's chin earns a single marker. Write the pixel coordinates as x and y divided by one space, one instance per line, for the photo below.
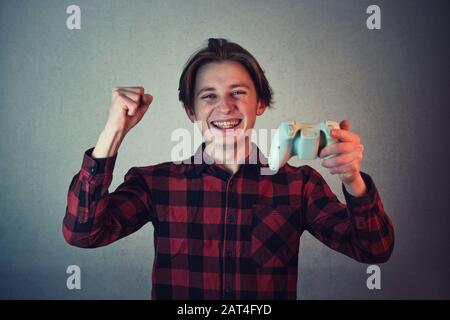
226 141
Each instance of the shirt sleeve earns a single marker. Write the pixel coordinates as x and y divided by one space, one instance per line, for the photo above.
94 217
360 229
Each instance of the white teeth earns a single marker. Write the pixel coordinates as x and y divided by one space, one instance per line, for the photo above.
226 124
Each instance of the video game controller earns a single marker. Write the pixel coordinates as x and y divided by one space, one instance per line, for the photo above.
303 139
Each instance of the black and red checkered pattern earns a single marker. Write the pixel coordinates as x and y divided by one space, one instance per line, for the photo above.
224 236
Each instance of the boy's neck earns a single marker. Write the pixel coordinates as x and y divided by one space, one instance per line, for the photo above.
229 157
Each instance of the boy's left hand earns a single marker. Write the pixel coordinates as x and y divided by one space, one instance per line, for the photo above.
347 154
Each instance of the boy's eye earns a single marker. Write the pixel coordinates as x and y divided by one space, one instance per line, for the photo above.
209 96
235 93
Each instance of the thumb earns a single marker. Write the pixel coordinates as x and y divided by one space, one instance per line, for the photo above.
146 100
345 125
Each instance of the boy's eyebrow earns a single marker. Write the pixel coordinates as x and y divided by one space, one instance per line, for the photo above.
239 85
205 89
231 86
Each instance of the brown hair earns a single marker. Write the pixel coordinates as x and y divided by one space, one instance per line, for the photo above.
216 51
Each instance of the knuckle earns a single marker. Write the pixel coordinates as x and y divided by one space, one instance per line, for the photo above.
342 148
140 90
121 97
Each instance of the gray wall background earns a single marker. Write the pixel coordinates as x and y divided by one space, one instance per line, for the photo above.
322 62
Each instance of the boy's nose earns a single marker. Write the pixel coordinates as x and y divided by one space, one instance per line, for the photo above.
225 106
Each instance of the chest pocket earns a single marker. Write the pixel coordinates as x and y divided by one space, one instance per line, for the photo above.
275 237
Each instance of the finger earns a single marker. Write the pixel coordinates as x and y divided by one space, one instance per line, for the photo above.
345 136
131 105
340 160
136 97
337 148
138 90
345 124
147 99
349 167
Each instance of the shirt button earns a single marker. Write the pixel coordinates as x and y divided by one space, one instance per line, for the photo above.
227 291
231 218
93 170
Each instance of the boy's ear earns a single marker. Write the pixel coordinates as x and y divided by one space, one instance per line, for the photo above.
261 107
190 113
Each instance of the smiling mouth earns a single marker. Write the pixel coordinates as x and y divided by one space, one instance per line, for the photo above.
226 124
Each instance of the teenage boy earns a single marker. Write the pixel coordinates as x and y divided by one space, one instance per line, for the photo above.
223 230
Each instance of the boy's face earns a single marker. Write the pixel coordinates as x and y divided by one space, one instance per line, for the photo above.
225 100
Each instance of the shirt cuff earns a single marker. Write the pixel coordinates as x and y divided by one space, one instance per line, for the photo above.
363 202
97 166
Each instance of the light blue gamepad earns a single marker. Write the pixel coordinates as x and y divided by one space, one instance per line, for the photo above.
303 139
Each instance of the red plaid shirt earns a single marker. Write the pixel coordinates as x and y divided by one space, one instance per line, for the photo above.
224 236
